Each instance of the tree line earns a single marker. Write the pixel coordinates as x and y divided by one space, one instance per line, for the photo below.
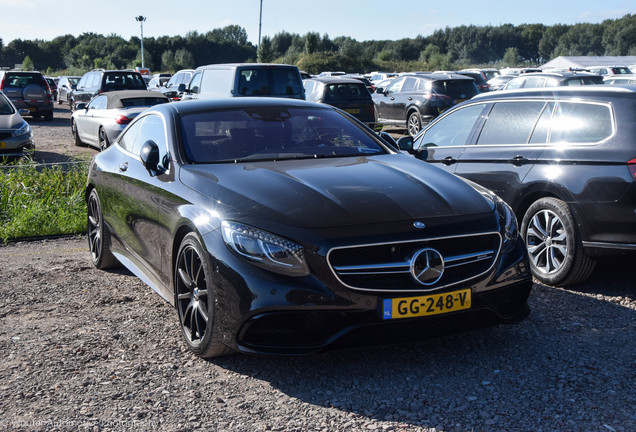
448 48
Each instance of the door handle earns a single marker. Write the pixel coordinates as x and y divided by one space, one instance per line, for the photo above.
123 167
519 160
449 160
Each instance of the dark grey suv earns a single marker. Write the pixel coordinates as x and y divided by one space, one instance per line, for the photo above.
564 159
28 90
414 99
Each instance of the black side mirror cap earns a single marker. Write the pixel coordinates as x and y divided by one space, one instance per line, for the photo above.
405 143
149 155
182 88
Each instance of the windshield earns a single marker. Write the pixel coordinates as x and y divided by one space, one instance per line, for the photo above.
273 133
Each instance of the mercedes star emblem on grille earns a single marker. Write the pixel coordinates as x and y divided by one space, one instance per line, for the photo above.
427 266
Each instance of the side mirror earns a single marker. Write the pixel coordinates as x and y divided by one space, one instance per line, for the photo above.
80 106
149 155
379 90
24 111
389 140
405 143
182 88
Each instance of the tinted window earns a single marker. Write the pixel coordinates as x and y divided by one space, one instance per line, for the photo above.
580 123
273 133
346 92
510 123
453 129
142 101
23 79
456 88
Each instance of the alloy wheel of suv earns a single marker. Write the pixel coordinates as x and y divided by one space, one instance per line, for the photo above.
554 246
414 124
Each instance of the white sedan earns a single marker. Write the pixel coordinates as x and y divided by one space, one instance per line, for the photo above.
100 122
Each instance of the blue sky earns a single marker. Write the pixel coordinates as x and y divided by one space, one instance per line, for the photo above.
361 20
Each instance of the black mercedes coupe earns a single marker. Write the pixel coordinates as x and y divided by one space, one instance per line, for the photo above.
278 226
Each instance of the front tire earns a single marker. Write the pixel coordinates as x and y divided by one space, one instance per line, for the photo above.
554 245
98 235
76 139
414 123
195 300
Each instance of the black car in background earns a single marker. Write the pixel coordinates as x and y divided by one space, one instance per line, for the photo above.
281 226
28 90
414 99
564 159
349 94
99 81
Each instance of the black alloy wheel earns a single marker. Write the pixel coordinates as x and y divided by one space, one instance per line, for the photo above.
556 253
98 235
195 300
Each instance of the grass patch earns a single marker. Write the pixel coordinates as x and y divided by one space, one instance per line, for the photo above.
40 201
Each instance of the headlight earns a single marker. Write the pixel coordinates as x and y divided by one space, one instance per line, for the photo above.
23 130
264 249
508 220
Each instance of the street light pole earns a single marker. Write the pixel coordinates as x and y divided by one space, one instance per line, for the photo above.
141 20
260 21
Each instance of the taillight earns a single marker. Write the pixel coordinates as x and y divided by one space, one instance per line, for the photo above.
48 89
122 119
631 166
2 83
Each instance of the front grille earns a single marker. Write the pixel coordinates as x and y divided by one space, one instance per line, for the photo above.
387 266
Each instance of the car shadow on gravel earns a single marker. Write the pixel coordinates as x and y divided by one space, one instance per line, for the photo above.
566 367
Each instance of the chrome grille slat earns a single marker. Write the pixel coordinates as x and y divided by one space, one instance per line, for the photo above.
464 258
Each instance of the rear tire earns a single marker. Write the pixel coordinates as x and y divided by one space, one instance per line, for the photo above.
195 299
99 241
103 139
414 123
557 256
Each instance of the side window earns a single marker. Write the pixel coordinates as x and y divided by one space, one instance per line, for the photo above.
216 82
195 84
151 129
581 123
510 123
410 85
98 103
127 139
515 83
82 82
453 129
395 86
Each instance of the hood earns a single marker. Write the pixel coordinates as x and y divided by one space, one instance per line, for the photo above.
11 121
322 193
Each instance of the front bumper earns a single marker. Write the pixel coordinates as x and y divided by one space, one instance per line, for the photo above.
265 313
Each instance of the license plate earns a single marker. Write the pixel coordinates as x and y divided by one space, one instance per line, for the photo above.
409 307
2 144
459 101
353 110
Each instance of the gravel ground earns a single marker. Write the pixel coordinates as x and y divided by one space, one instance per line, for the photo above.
85 349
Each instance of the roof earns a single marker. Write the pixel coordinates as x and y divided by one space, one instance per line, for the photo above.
114 98
566 62
590 91
336 79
